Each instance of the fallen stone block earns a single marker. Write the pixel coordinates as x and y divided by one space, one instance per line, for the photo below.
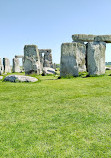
20 78
48 71
108 68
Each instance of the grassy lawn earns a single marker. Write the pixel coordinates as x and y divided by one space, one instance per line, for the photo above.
52 118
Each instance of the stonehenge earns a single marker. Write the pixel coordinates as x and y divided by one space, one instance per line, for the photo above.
85 53
34 60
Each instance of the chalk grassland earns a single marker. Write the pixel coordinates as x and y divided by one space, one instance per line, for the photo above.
56 118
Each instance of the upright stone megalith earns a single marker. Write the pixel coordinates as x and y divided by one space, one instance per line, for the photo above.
45 58
41 60
16 65
31 59
1 67
72 59
96 58
6 65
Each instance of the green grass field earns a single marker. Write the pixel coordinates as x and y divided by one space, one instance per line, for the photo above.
56 118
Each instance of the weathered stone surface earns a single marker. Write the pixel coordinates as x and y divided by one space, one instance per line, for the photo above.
1 77
16 65
1 67
83 38
103 38
45 58
6 65
48 59
72 59
22 57
96 58
31 59
41 54
91 38
48 71
20 78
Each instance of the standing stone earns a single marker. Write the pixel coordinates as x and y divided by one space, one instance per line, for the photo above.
6 64
72 59
96 58
31 59
1 67
48 58
41 60
16 65
21 57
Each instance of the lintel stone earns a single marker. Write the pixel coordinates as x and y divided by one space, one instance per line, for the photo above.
103 38
83 37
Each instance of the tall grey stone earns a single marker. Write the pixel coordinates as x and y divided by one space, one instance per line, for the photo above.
72 59
31 59
1 67
6 64
16 65
41 59
48 58
96 58
21 57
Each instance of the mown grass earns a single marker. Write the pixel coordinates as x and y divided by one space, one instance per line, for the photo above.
56 118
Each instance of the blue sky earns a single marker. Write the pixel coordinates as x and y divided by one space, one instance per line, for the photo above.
49 23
